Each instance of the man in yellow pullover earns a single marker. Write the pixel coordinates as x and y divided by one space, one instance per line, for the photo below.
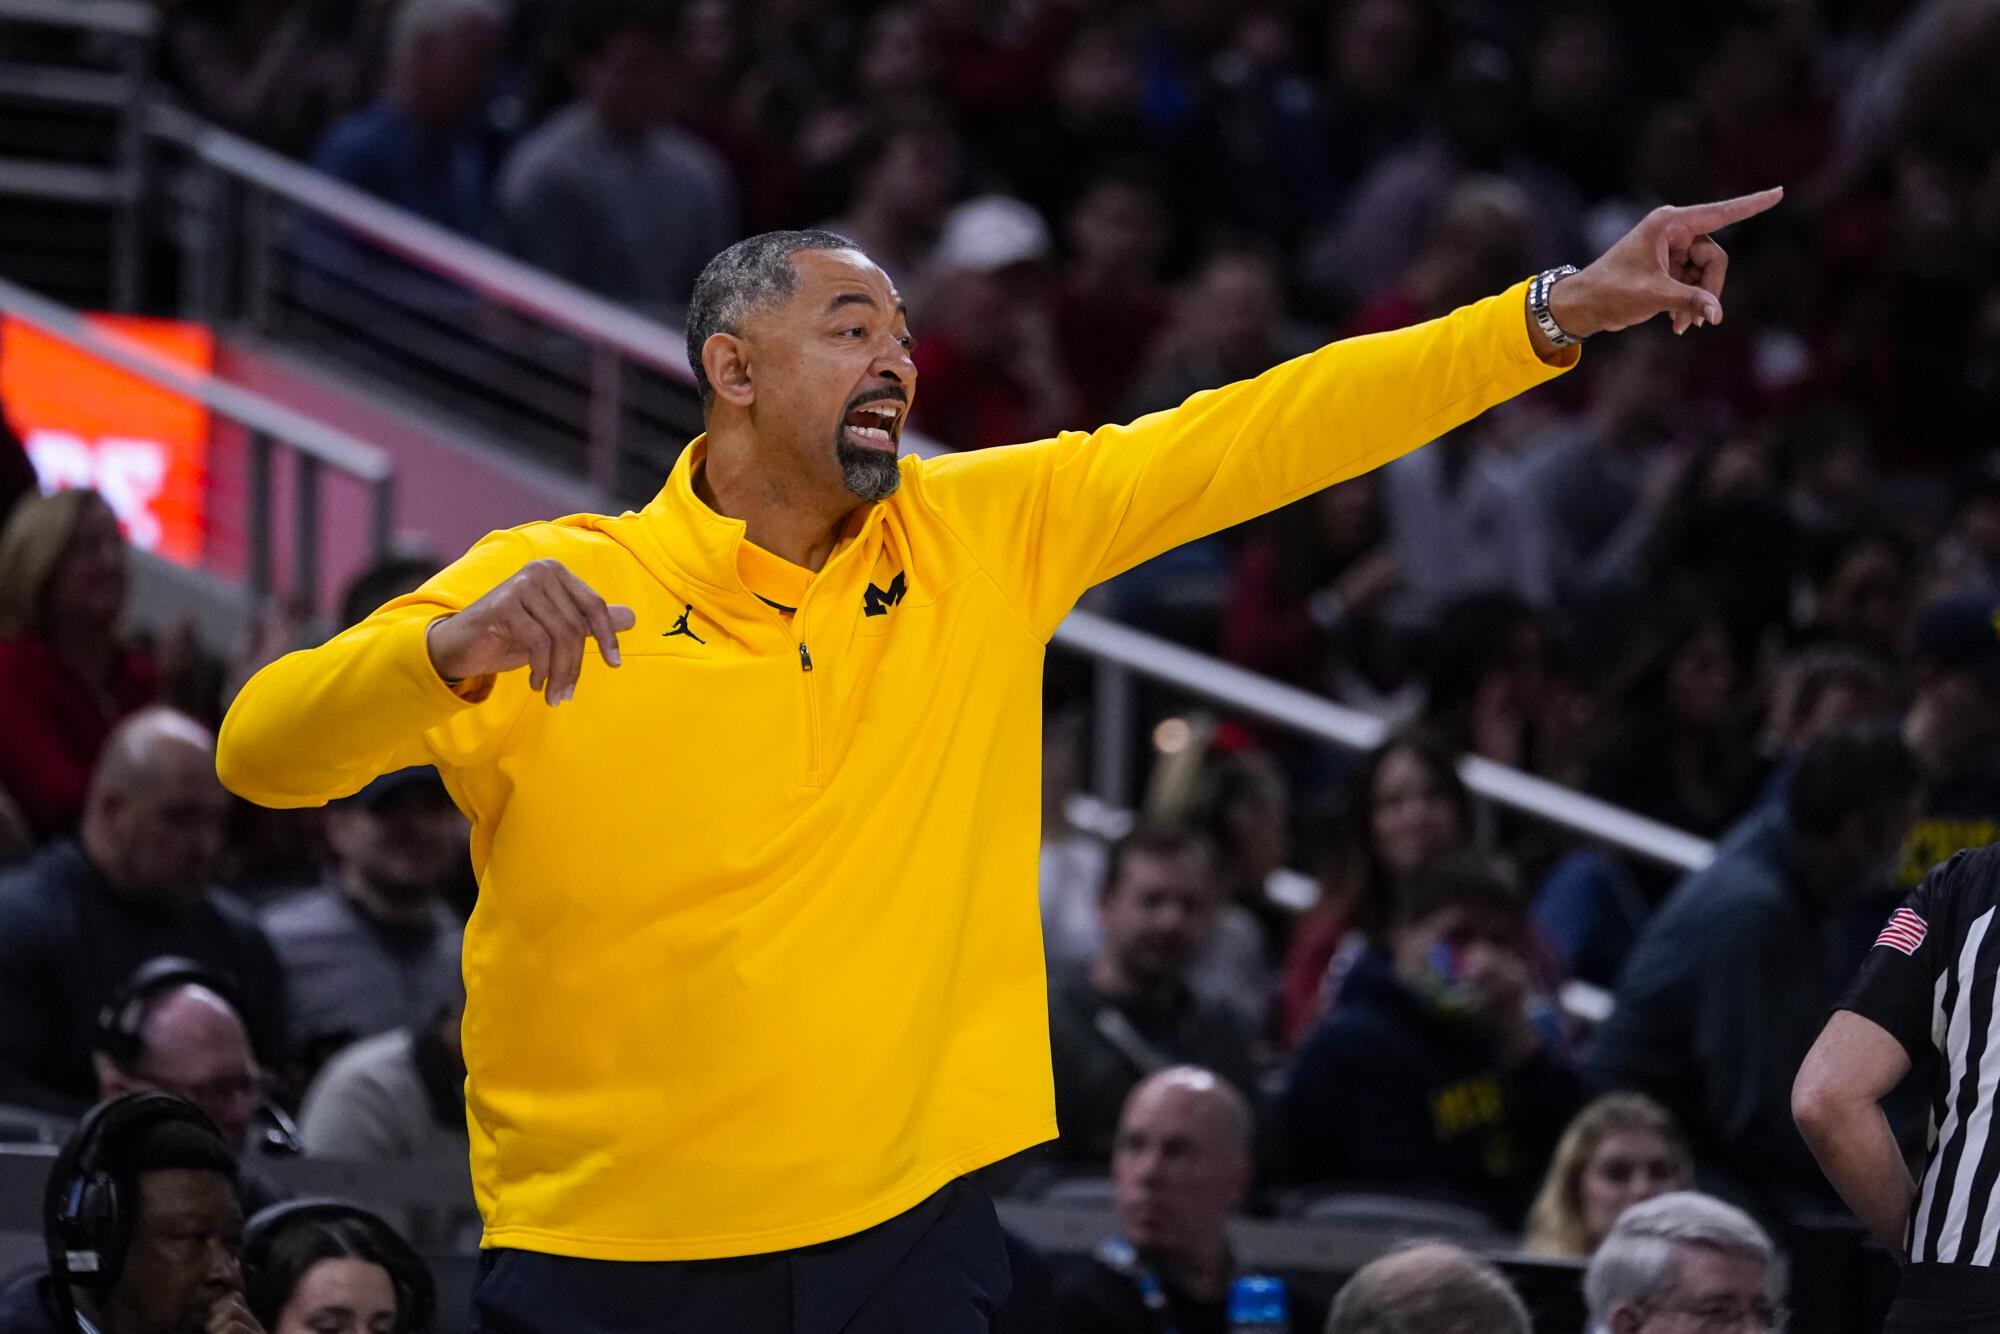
756 976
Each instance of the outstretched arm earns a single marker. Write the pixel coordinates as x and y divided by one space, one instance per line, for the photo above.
1050 519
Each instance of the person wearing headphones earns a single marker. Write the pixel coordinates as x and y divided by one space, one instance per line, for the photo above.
174 1026
328 1267
143 1229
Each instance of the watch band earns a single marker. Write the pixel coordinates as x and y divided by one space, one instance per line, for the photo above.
1539 288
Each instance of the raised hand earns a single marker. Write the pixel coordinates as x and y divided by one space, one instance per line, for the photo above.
1669 264
538 618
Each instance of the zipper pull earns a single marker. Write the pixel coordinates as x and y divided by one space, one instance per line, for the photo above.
805 658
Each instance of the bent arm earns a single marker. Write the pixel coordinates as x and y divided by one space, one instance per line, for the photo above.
1050 519
320 723
1837 1103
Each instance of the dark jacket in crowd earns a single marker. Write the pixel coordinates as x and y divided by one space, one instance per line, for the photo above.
67 943
1101 1048
1094 1298
1389 1092
28 1306
1724 993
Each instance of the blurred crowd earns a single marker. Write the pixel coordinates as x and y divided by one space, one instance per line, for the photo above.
1746 584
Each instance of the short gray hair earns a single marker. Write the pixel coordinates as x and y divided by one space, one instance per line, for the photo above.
1638 1260
420 20
742 280
1428 1288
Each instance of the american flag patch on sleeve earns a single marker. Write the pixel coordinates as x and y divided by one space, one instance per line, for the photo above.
1904 932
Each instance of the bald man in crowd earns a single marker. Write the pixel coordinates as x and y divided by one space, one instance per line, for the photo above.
80 918
1428 1288
184 1038
1180 1167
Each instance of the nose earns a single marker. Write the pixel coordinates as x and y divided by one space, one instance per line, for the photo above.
221 1270
895 363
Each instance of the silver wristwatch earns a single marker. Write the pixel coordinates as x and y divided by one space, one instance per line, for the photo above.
1539 288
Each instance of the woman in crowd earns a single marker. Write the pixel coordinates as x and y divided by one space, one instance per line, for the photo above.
1621 1150
1677 745
1404 804
325 1267
66 677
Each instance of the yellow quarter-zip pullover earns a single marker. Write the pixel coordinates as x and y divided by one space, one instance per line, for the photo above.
756 960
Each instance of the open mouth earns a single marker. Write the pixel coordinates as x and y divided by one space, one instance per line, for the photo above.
876 425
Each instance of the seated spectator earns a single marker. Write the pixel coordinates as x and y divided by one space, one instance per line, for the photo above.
990 358
1403 806
397 1096
173 1027
1621 1150
1475 245
606 196
375 948
1229 324
1428 1288
1683 1261
1304 594
1863 587
1817 691
1600 480
314 1266
1181 1167
904 180
1109 301
1731 980
1953 725
419 146
1130 1010
166 1258
1432 1074
1677 747
273 72
65 676
1242 805
1477 132
79 919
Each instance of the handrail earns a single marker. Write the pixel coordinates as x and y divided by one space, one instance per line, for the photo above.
315 444
1317 716
494 275
1118 649
127 18
327 444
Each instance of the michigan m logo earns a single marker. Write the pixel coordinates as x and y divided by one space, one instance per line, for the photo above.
876 602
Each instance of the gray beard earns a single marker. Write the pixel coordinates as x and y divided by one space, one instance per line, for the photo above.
871 474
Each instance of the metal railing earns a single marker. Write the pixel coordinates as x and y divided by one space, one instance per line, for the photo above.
312 446
113 81
1121 653
236 270
295 257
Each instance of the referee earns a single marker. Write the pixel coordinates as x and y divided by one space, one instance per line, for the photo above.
755 978
1924 997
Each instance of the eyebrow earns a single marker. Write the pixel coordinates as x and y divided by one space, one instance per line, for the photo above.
863 299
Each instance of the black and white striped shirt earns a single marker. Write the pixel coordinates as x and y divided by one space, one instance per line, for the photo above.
1931 981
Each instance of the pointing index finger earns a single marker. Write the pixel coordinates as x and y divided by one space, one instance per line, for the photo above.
1710 217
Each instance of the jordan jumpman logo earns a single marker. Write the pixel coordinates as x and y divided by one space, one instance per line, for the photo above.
681 627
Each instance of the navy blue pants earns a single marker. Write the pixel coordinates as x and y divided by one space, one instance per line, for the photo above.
940 1268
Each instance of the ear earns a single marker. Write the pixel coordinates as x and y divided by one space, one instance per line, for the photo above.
1625 1319
726 359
